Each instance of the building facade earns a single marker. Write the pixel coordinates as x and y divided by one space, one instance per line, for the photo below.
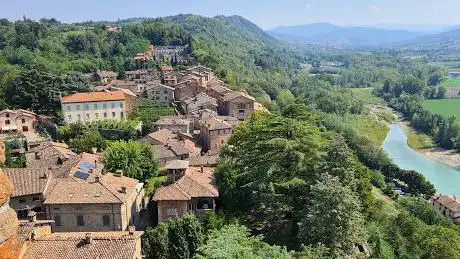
448 206
160 94
97 106
18 121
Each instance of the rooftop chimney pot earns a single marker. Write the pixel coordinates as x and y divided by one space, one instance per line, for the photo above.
88 238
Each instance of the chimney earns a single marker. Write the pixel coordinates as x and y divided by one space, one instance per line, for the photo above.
97 179
88 238
131 230
202 170
37 156
32 216
123 189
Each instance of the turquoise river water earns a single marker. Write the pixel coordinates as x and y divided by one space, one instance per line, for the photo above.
446 179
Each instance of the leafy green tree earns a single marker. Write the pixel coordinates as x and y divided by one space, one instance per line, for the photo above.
233 241
438 242
193 232
134 159
86 142
332 218
178 243
156 243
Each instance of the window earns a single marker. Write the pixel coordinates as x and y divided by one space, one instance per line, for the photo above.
7 122
95 106
121 105
68 107
7 115
165 92
241 106
77 107
86 107
121 114
36 198
25 128
78 117
106 220
241 112
87 116
105 115
23 120
113 114
157 92
166 98
104 106
157 97
172 212
80 221
57 220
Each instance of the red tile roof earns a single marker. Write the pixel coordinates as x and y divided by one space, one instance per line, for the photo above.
94 97
166 68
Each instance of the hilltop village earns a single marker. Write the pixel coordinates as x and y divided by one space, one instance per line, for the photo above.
63 197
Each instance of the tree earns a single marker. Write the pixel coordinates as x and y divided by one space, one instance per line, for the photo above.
134 159
178 243
438 242
156 242
86 142
233 241
193 232
332 218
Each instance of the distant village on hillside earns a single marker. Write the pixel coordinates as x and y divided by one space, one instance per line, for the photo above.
69 203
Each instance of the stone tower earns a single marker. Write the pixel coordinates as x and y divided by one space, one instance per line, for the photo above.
10 245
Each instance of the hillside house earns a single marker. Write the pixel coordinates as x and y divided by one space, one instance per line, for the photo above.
160 94
214 134
18 121
448 206
199 102
238 105
104 76
175 124
191 189
96 106
94 202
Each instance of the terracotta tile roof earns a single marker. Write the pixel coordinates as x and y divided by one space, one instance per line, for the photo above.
28 181
171 192
230 96
179 148
449 202
94 97
205 160
67 192
114 183
173 120
163 136
166 68
215 124
105 73
163 152
67 245
177 164
195 183
19 112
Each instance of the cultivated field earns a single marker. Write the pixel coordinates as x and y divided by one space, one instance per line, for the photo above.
446 107
451 83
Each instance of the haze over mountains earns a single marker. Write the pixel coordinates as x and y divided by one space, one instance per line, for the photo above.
357 36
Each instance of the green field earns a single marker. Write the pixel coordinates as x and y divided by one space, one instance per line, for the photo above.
446 107
451 83
365 94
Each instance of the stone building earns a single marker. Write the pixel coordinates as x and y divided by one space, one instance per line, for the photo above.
448 206
96 106
104 76
215 132
191 189
18 121
160 94
30 188
199 102
95 203
175 124
238 105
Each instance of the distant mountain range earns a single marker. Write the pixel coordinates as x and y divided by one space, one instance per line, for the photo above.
341 36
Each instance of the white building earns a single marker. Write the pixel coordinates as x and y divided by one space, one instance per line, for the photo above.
96 106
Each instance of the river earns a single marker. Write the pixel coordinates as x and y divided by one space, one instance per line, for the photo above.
445 179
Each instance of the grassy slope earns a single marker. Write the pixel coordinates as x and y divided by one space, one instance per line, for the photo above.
446 107
418 141
451 83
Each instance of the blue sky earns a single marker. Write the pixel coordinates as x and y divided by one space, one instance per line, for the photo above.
265 13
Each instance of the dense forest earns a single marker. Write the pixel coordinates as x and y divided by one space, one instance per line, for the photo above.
299 182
